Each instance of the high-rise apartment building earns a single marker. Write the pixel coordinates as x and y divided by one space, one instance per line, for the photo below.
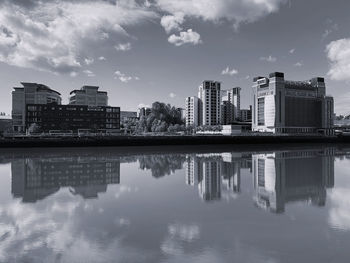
246 114
30 93
89 96
193 111
210 95
230 105
282 106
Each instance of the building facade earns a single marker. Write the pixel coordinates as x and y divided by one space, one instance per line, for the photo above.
30 93
143 112
246 114
192 111
230 105
88 95
210 95
282 106
75 118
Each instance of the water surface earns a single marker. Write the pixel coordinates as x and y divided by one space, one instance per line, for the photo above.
158 205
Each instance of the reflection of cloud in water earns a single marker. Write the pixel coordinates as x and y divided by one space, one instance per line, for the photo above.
339 214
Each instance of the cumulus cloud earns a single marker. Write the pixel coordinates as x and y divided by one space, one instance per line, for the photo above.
269 59
185 37
123 47
172 95
101 58
172 22
53 35
298 64
338 53
228 71
123 77
242 11
88 61
331 26
292 51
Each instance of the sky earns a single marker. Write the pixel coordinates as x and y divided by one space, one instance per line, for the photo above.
141 51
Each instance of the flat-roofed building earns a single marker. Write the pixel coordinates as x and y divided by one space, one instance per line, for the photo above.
30 93
192 111
210 95
88 95
75 118
282 106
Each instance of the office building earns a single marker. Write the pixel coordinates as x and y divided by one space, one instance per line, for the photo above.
126 116
75 118
88 95
246 114
192 111
282 106
210 95
30 93
230 105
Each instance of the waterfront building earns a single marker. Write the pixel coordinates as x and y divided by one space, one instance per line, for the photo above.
88 95
143 112
126 116
30 93
210 95
283 106
246 114
192 111
230 105
75 118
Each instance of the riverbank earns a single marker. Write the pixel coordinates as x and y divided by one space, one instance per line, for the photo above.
170 140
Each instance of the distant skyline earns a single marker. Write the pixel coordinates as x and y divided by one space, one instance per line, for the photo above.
143 51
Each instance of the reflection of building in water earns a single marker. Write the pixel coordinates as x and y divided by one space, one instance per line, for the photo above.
34 179
284 177
217 175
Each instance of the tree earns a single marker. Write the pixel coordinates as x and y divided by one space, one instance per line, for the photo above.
34 128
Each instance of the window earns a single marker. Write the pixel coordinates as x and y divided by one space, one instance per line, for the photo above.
261 111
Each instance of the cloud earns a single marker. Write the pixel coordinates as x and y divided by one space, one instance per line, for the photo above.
123 77
331 26
292 51
298 64
89 73
53 35
237 12
172 22
338 53
101 58
123 47
269 59
172 95
185 37
88 61
228 71
73 74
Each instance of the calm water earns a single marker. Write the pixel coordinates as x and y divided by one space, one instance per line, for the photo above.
110 205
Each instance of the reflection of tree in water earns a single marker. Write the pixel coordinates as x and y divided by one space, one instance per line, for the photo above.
161 165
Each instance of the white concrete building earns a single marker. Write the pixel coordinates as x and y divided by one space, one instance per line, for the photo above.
88 95
192 111
281 106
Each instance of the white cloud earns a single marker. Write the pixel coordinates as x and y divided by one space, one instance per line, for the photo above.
242 11
123 47
338 53
185 37
228 71
172 95
123 77
292 51
89 73
172 22
88 61
101 58
54 35
330 28
298 64
73 74
269 59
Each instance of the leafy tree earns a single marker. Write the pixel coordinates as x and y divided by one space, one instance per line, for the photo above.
34 128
